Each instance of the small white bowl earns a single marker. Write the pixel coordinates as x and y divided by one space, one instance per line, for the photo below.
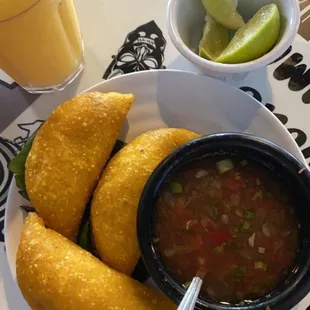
186 22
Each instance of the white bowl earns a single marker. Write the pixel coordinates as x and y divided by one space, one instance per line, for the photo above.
185 26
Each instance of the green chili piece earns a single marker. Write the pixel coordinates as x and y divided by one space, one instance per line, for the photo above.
214 212
224 166
246 225
176 187
249 215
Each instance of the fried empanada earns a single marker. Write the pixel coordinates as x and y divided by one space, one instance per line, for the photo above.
53 273
68 155
115 201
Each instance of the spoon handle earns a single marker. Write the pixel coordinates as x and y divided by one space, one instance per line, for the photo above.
189 300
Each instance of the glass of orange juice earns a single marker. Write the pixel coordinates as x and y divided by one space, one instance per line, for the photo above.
40 43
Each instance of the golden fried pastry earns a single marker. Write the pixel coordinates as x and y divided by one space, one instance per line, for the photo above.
68 155
55 274
115 201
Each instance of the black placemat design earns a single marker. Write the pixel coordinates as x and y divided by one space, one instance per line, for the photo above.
27 130
297 74
14 100
143 49
304 29
8 150
7 85
299 135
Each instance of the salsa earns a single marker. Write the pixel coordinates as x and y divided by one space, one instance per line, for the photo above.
230 221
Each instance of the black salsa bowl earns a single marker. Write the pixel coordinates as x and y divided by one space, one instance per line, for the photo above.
297 283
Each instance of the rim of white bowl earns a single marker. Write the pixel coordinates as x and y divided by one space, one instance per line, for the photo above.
265 60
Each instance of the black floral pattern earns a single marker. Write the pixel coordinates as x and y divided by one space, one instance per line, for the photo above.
8 150
143 49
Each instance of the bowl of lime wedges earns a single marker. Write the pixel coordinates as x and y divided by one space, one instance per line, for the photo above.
226 37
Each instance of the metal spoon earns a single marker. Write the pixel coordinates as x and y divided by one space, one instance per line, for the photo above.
189 300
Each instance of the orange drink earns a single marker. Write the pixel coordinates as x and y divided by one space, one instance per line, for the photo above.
40 43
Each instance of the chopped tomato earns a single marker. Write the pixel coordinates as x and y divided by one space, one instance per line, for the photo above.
197 228
183 214
202 265
261 213
233 184
196 242
277 256
250 274
203 269
233 227
264 242
235 199
206 222
235 220
238 287
281 258
268 203
219 237
215 193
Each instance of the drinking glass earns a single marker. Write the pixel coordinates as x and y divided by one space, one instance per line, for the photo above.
40 43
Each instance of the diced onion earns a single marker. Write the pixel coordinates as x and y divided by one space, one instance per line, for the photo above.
189 200
200 174
201 260
155 240
204 222
261 250
239 213
188 224
257 195
225 218
266 230
217 184
251 240
235 199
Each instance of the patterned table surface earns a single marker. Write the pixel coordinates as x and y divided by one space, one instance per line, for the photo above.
109 29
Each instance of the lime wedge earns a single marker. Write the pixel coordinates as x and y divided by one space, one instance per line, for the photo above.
214 40
224 12
254 39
